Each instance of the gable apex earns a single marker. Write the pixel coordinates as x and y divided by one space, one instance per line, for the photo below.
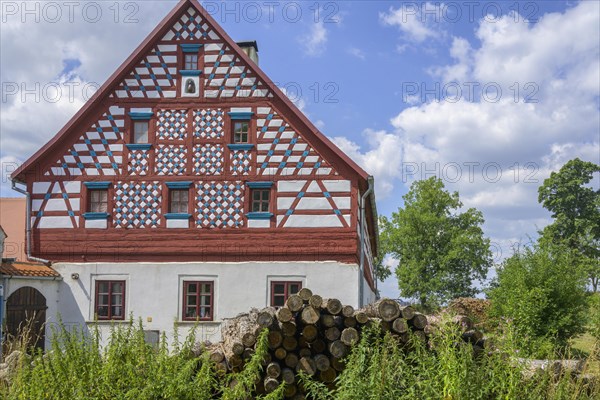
201 25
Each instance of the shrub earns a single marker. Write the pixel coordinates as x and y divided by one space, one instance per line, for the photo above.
594 316
542 291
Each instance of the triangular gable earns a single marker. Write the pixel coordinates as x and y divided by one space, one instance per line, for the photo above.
230 72
225 74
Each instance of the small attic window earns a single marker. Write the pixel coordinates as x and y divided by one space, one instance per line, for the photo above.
191 62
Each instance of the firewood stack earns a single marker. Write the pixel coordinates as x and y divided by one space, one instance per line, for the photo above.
313 334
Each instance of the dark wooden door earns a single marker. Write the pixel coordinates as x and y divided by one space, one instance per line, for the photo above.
26 310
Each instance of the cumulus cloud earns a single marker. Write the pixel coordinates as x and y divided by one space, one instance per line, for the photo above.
382 158
314 42
497 148
417 23
52 62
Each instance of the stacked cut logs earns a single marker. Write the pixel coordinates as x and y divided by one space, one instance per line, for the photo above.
313 334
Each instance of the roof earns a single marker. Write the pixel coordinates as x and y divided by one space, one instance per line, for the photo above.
310 132
27 269
2 232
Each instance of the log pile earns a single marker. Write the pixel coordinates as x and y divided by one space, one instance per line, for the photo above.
313 334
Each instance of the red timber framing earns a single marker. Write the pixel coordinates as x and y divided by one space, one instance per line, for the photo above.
194 244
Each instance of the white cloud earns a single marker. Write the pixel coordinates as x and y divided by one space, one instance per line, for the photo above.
34 55
314 42
416 25
382 159
295 98
356 52
504 149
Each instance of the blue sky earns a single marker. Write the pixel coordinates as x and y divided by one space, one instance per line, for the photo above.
363 69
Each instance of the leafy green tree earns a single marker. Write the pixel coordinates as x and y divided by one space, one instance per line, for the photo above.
575 207
441 250
542 291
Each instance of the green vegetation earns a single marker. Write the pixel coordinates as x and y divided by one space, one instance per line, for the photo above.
546 304
575 208
441 251
378 367
594 316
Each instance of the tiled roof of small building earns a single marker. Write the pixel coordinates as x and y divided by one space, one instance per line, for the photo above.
29 269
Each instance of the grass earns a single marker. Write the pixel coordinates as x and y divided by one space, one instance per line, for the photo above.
379 367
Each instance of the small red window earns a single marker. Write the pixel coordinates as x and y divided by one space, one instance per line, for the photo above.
240 131
98 200
260 200
110 300
198 297
179 201
140 132
280 291
191 62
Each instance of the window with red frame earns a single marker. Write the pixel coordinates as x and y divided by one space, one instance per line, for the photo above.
198 297
280 291
110 300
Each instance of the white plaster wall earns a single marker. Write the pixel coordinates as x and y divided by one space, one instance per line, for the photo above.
51 291
368 295
154 290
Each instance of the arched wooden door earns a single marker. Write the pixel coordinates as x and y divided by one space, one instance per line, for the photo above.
26 308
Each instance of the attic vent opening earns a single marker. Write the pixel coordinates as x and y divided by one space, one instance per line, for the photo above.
251 49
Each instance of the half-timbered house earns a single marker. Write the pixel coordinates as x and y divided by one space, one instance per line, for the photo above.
190 188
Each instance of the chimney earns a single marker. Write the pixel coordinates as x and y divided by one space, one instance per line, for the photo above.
251 49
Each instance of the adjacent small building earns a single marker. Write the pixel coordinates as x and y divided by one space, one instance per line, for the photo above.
30 296
190 188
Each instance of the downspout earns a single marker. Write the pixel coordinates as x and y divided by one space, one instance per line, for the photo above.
361 268
28 224
376 221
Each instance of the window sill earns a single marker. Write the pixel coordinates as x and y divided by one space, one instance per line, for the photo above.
95 215
178 216
190 72
139 146
240 146
204 322
259 215
110 321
